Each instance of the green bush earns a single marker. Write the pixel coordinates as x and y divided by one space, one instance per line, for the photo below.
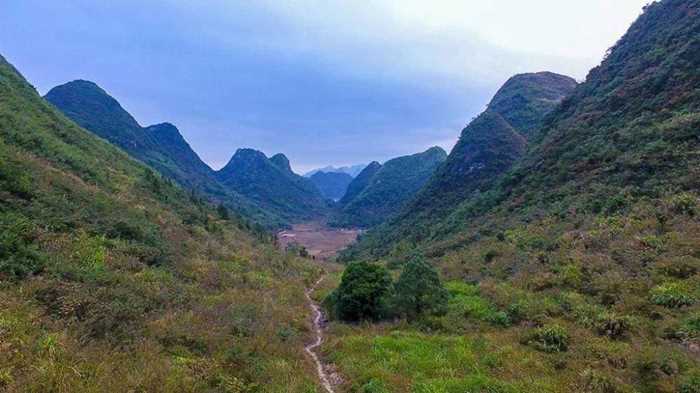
362 292
419 290
550 339
19 255
672 295
612 325
691 384
684 203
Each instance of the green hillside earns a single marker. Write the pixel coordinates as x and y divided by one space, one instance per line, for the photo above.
160 146
272 185
487 148
579 269
112 279
391 186
360 182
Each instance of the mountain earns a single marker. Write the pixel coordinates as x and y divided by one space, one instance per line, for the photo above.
487 148
161 146
393 184
109 269
360 182
331 184
272 185
353 170
282 162
584 257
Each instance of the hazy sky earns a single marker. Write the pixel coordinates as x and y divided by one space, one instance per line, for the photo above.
325 82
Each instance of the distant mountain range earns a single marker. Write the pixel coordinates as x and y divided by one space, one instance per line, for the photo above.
353 170
270 193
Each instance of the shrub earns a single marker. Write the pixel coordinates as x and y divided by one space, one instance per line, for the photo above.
691 384
419 290
684 203
362 292
550 339
595 382
681 267
690 327
672 294
19 256
612 325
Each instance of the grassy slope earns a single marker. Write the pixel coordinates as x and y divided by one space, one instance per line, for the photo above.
113 279
595 233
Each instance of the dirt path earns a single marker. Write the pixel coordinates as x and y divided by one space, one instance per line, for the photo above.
318 333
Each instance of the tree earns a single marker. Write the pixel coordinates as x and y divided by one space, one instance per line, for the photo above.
419 290
362 292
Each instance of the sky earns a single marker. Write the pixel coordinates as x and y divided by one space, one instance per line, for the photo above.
325 82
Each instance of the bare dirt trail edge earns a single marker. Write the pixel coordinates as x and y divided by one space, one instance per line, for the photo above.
318 333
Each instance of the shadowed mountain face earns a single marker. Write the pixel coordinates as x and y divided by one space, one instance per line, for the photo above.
389 188
272 185
331 184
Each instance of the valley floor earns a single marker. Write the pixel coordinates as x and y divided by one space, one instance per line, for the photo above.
321 242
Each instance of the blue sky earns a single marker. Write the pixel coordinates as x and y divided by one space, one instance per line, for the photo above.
325 82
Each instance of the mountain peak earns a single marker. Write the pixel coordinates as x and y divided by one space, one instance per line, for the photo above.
282 162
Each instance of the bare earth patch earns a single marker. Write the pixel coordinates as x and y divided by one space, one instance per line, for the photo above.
321 241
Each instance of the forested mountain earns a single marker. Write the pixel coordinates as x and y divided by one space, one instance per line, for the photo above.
389 188
114 279
272 185
159 146
584 258
360 182
488 147
331 184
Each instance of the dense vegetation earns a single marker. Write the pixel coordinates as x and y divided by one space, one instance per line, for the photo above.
389 188
579 268
332 185
114 279
360 182
272 185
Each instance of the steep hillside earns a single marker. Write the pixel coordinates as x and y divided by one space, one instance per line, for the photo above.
487 148
115 280
159 146
394 183
579 269
360 182
272 185
282 162
331 184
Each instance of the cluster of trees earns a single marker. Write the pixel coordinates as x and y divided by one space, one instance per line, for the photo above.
367 292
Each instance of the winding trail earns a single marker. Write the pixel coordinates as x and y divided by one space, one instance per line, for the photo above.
318 333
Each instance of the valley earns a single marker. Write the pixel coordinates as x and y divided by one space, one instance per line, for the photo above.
320 241
554 249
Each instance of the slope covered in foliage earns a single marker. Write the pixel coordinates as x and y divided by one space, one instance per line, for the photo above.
392 185
360 182
272 185
579 269
112 279
160 146
331 184
488 147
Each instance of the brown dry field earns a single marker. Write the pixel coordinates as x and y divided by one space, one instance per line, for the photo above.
320 241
